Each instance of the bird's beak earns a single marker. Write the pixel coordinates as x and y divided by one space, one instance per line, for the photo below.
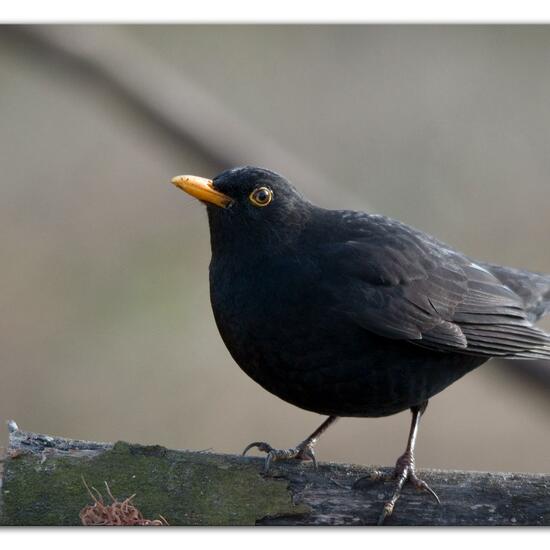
202 189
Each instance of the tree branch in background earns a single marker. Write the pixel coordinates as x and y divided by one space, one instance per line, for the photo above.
187 113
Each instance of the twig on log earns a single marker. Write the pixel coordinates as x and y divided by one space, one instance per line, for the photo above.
42 485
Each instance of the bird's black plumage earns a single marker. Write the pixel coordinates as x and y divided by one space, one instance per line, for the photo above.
346 313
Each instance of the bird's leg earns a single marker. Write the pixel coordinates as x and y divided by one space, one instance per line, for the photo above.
405 469
302 451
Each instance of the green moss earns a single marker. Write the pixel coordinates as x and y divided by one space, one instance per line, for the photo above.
186 488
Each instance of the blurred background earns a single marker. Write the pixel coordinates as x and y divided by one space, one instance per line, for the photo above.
106 331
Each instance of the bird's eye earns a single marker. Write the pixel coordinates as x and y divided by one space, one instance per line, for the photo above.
261 196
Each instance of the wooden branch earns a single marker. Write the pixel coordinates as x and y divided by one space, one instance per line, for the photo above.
43 485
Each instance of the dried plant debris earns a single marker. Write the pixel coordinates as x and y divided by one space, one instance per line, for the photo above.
117 513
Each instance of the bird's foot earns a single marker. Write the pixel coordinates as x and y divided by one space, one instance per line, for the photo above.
303 451
404 472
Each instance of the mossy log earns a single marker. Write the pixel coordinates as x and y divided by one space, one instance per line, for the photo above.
43 484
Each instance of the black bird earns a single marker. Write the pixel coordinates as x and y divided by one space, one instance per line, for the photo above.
345 313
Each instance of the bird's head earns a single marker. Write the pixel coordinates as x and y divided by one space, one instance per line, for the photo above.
247 204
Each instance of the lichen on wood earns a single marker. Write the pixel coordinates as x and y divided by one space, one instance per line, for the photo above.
187 488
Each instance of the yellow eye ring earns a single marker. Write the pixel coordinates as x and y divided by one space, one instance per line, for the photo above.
261 196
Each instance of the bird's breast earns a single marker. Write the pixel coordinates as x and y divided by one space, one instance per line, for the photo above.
267 309
281 329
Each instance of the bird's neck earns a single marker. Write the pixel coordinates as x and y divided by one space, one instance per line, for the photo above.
251 243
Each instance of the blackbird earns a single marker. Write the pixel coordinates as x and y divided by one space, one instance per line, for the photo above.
349 314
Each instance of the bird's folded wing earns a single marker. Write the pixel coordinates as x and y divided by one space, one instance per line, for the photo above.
407 286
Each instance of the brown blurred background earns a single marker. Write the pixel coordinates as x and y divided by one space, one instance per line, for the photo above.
106 331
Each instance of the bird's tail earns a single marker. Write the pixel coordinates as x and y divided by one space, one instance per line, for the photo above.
533 288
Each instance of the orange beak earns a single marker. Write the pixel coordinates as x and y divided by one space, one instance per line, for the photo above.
202 189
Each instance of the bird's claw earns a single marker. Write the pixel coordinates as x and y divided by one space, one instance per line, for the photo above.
404 472
303 451
261 445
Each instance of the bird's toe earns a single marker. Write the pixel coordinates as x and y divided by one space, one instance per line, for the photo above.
405 472
300 452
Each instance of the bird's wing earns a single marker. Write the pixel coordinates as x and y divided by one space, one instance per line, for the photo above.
405 285
532 288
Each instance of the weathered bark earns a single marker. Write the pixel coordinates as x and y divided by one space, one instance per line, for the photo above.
43 485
